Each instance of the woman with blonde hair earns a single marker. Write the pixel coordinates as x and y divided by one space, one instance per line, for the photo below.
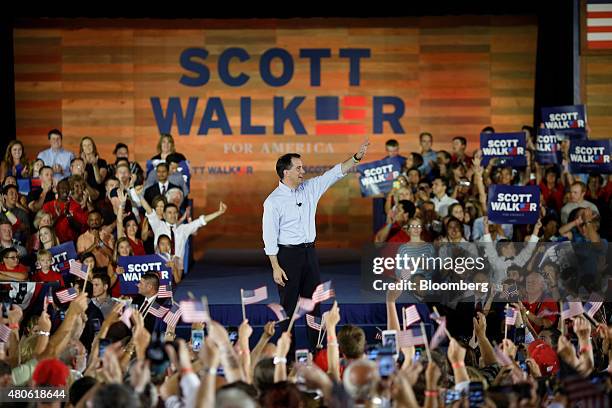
14 163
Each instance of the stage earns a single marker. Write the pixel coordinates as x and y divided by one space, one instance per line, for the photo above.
222 274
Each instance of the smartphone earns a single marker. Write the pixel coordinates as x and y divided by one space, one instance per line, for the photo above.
372 353
524 366
464 183
233 334
451 396
301 356
417 356
96 325
197 338
396 185
386 364
62 315
389 341
476 394
102 347
519 335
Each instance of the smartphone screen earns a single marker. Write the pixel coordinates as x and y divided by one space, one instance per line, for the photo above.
451 396
389 341
476 394
197 338
96 325
519 335
386 365
301 356
102 347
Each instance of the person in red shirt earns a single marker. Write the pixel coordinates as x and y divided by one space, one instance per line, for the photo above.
393 231
70 219
459 155
10 268
539 312
45 273
552 190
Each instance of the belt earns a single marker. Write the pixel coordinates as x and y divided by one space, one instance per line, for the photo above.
304 245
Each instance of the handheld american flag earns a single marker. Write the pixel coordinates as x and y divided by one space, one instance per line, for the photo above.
571 309
411 315
253 296
4 333
173 316
164 291
413 336
279 311
304 305
125 316
48 300
510 316
439 334
593 305
67 295
78 269
194 311
323 292
158 310
313 322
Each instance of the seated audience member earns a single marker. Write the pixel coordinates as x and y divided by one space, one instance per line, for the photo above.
70 219
44 271
10 268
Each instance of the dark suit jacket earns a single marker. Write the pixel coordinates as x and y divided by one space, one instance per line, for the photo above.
153 191
152 323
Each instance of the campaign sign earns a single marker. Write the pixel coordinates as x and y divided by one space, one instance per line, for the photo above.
377 177
590 156
136 266
565 119
509 148
62 255
514 204
548 147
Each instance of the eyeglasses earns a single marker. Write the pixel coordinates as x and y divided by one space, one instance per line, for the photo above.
419 226
11 257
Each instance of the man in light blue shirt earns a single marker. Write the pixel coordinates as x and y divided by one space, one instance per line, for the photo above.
56 157
429 156
289 230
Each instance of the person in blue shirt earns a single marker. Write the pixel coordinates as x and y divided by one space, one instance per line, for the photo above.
56 156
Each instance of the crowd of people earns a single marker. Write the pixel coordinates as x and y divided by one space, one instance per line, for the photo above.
105 357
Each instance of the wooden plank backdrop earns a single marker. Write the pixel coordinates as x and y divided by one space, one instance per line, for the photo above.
597 93
454 74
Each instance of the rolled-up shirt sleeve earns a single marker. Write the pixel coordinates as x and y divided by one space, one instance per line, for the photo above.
319 185
271 226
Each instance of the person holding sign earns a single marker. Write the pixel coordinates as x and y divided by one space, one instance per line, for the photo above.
178 233
289 229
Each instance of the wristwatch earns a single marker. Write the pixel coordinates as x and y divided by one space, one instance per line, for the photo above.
279 360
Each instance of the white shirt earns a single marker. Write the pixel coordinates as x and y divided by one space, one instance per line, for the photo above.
289 215
442 204
499 265
146 304
163 187
181 232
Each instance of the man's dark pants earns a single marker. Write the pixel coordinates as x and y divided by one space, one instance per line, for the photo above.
302 268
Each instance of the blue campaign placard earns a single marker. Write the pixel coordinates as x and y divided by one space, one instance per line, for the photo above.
62 255
569 119
590 156
136 266
509 148
548 147
377 177
513 204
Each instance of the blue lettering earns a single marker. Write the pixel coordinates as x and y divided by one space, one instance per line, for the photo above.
282 114
224 60
246 128
315 55
174 110
214 106
354 55
393 118
266 70
188 62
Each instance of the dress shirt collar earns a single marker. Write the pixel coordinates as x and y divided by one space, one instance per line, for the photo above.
285 188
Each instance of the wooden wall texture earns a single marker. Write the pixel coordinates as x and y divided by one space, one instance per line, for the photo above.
455 75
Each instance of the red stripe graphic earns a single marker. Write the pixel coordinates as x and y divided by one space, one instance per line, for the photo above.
351 101
353 114
340 129
600 44
602 29
599 14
